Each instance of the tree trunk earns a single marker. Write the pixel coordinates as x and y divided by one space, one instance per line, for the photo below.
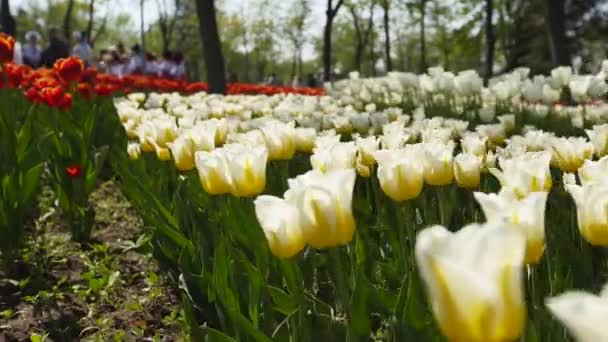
387 37
212 48
8 24
490 41
300 67
141 25
422 36
327 44
556 27
67 20
330 14
91 17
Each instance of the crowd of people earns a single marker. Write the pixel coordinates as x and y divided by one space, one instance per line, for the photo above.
115 60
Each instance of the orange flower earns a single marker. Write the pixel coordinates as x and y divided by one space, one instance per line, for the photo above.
70 69
7 47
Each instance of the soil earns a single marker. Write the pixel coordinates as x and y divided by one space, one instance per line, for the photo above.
105 290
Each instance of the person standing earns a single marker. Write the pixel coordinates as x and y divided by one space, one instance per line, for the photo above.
56 49
30 51
82 49
137 61
166 65
178 70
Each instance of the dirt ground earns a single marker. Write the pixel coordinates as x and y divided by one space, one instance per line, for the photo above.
106 290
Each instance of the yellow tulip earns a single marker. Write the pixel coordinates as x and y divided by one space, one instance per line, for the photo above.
474 280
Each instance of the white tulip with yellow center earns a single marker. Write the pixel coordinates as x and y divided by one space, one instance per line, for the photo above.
182 150
165 130
591 211
213 171
336 157
584 314
400 172
467 170
280 139
438 168
508 122
134 151
324 201
495 133
366 147
146 134
474 280
526 173
472 143
247 167
304 139
280 220
526 215
594 171
570 153
599 137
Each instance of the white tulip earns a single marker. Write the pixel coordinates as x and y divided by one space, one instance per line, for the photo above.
474 281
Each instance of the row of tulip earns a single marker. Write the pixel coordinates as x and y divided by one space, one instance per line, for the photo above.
563 102
56 124
291 217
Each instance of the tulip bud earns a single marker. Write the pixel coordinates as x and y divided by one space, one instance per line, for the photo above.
134 151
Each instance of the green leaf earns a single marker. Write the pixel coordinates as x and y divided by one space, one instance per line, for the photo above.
359 306
30 182
216 335
281 300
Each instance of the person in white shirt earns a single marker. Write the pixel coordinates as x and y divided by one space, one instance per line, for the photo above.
82 49
178 71
165 65
151 68
116 67
137 61
30 52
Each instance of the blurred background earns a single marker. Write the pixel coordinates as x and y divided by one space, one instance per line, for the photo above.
286 41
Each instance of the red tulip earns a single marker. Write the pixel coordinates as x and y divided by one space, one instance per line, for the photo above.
7 48
69 69
73 171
